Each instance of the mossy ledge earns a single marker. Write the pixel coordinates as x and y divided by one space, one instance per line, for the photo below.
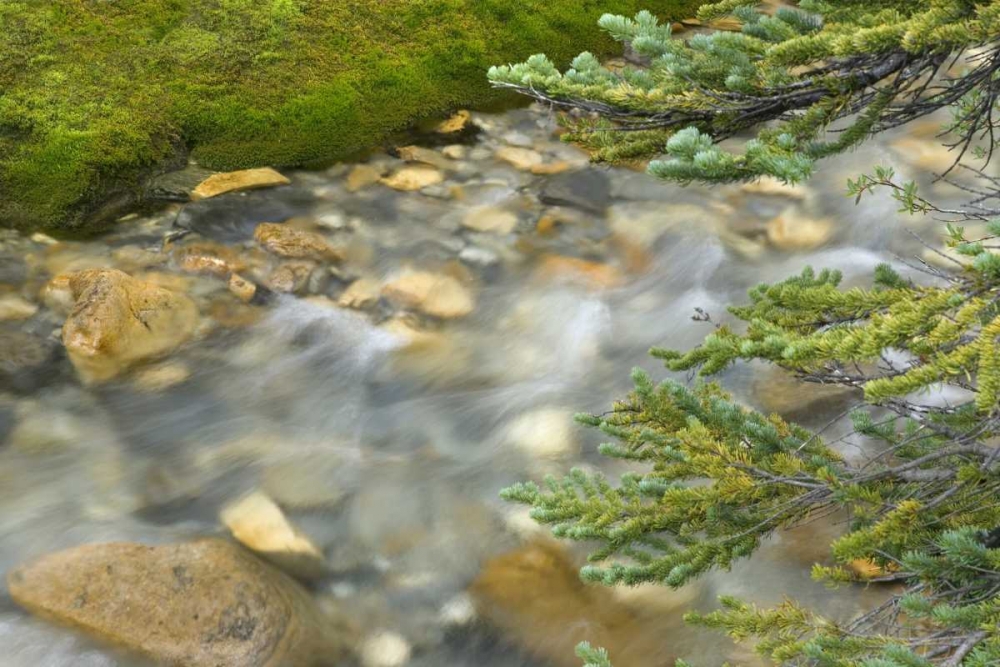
96 96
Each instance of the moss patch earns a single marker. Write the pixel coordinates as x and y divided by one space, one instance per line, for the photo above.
94 95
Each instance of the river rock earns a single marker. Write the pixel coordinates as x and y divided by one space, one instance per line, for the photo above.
13 269
290 277
135 258
200 604
477 256
775 390
925 153
363 175
454 124
413 178
363 293
238 181
435 294
589 190
422 155
385 649
557 167
233 218
13 307
519 158
285 241
535 596
772 187
306 481
161 376
546 433
490 219
260 525
177 185
117 320
245 290
592 275
28 362
208 258
454 152
792 231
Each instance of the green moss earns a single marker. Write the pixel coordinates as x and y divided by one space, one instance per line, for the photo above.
93 98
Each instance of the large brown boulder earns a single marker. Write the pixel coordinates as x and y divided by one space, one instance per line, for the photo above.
199 604
534 595
117 320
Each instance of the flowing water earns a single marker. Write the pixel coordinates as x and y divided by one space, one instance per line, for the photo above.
386 435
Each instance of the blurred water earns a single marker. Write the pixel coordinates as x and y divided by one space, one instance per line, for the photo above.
390 457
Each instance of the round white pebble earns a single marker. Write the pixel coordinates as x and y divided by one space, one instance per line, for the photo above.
460 610
385 649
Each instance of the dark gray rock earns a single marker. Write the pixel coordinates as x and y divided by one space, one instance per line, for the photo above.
177 185
589 190
231 218
29 362
13 270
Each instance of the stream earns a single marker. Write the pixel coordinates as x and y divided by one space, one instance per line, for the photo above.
384 427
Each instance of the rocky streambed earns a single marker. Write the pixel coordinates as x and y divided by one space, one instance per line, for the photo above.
267 425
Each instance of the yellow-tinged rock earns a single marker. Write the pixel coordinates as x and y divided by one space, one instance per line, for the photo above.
199 604
244 289
534 595
13 307
492 219
361 294
162 376
117 320
422 155
454 124
592 275
545 433
207 257
770 186
520 158
792 231
549 168
925 153
435 294
286 241
363 175
291 276
57 294
237 181
868 569
413 177
260 525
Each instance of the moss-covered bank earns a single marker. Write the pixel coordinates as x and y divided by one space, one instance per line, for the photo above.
94 95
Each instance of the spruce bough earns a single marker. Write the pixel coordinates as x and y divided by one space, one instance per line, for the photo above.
713 478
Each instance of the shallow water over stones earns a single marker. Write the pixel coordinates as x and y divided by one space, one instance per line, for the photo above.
382 391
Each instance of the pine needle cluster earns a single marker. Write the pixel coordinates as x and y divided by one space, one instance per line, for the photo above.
712 479
869 65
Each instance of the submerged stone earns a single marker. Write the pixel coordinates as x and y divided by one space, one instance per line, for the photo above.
117 320
198 604
589 190
285 241
260 525
435 294
28 361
